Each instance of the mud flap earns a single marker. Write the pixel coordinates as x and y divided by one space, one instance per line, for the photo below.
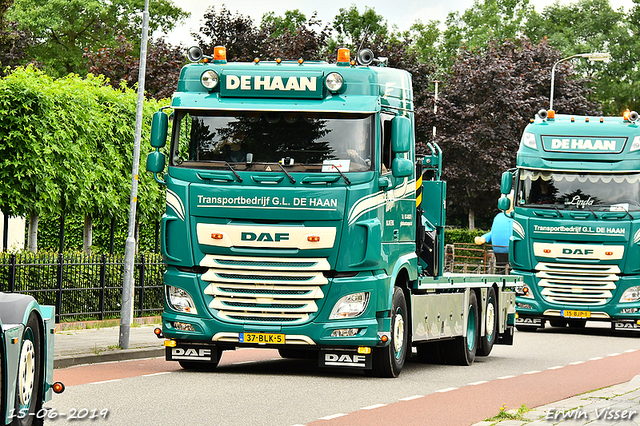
192 352
505 338
344 358
625 325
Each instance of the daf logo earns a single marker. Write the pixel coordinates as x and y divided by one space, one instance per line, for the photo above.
344 358
577 251
191 352
264 236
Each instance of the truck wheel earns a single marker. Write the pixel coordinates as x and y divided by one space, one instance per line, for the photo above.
462 350
388 361
490 325
29 382
202 366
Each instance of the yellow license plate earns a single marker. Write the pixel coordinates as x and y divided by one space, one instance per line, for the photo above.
576 314
264 338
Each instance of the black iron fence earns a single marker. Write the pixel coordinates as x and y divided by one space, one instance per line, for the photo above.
83 287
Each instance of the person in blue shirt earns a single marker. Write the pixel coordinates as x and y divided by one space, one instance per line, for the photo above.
499 236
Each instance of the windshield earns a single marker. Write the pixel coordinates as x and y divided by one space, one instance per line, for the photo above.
253 140
571 190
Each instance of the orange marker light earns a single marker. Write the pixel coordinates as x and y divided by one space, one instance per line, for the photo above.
551 114
608 253
256 60
547 251
313 238
220 53
300 60
344 55
278 60
58 387
216 236
626 114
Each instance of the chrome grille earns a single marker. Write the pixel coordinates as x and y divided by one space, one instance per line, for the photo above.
264 290
577 284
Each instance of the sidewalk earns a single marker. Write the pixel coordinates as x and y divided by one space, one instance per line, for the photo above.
93 345
615 405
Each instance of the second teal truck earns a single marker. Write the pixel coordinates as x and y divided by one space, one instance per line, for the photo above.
299 217
576 221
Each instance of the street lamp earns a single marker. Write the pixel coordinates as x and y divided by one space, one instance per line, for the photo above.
593 57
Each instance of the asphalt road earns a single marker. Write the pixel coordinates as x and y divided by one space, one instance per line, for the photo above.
257 387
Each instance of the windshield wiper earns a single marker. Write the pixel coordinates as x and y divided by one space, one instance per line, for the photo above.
591 210
346 179
234 172
558 210
287 173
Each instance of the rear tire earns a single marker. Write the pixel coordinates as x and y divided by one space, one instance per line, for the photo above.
388 361
462 350
29 381
491 324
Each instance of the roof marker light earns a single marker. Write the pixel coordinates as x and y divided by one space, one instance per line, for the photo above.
220 53
551 114
344 56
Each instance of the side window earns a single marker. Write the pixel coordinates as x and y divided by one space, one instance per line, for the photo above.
386 154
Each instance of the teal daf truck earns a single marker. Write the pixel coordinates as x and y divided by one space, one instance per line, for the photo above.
576 221
300 218
26 360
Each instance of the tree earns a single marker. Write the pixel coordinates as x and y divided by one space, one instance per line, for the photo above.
67 148
237 33
120 63
303 40
486 20
594 26
483 108
355 29
62 29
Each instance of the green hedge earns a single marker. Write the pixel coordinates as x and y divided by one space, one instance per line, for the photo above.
461 235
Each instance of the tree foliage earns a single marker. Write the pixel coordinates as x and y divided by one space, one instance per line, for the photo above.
594 26
485 105
67 147
121 63
62 29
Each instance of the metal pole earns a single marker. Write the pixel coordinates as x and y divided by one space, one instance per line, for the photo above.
435 106
126 316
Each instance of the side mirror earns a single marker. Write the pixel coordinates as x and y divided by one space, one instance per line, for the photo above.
159 129
401 167
400 134
506 183
155 162
504 203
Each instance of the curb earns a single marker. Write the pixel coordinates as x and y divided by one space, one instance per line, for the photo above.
108 356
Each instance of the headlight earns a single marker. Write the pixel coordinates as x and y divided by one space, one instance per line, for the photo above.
180 301
631 294
524 291
529 139
350 306
209 79
636 144
333 81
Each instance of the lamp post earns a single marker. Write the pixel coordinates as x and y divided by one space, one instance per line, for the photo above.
593 57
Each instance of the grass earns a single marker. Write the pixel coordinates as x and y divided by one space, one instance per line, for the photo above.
505 414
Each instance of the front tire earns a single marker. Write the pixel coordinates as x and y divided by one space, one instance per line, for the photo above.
388 361
29 381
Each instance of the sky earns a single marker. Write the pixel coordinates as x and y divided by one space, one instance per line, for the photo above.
401 14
